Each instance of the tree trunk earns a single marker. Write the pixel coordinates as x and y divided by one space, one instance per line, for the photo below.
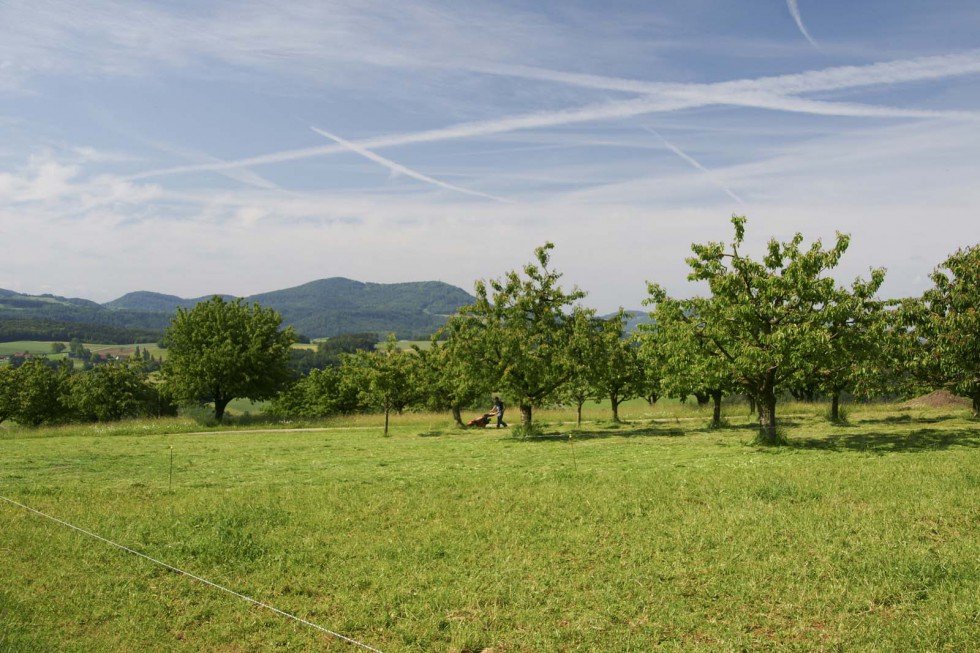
526 416
387 411
652 399
614 402
767 415
751 400
219 408
578 414
835 407
716 415
976 405
702 398
457 416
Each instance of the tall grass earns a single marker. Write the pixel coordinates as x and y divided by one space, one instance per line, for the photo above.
654 534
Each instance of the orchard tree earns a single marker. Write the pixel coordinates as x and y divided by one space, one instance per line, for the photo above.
943 338
524 326
765 318
112 392
619 373
8 392
583 354
322 393
689 363
41 393
219 351
855 342
451 371
387 377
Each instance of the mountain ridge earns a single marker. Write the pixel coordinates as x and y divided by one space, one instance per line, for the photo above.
319 308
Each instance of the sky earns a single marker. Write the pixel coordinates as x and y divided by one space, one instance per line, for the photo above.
198 147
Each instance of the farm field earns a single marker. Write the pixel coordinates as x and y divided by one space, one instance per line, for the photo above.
44 347
655 534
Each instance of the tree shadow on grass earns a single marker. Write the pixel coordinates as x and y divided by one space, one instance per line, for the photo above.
907 419
918 441
600 434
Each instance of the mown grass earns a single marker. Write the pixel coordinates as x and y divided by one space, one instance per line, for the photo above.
655 534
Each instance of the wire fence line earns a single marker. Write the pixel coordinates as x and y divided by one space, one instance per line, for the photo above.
197 578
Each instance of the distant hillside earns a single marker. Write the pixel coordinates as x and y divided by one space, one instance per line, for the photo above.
317 309
636 318
154 302
331 306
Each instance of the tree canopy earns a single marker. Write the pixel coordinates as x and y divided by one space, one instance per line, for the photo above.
523 326
222 350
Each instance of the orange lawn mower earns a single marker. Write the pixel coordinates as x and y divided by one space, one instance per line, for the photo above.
481 422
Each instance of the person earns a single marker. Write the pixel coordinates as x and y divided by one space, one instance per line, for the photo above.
498 410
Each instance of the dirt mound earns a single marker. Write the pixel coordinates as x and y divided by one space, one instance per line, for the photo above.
938 399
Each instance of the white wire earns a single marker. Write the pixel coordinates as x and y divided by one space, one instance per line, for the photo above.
197 578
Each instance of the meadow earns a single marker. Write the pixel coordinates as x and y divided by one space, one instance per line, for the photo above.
654 534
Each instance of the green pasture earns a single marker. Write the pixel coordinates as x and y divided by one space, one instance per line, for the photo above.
44 347
657 534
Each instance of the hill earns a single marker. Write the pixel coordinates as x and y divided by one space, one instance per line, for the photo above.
154 302
330 306
317 309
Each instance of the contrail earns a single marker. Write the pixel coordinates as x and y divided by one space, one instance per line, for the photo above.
766 92
690 159
399 168
794 9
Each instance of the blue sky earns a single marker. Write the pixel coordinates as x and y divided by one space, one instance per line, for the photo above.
241 147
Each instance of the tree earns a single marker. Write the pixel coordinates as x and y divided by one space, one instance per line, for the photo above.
853 349
687 361
766 319
450 374
524 331
8 392
58 347
219 351
324 392
112 392
583 355
619 371
41 393
386 377
943 327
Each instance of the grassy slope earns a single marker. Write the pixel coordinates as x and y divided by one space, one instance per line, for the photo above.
656 533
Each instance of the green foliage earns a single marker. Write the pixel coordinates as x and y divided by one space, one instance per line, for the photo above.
386 377
766 321
114 391
942 344
329 352
18 328
219 351
8 392
41 393
451 375
524 331
322 393
619 371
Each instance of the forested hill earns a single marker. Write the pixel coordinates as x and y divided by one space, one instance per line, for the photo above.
317 309
154 302
331 306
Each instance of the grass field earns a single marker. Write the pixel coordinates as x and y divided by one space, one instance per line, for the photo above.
657 534
44 347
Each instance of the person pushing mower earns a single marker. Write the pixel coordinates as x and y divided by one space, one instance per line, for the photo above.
498 410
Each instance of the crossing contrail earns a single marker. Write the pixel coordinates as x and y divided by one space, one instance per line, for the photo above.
694 162
399 168
778 93
794 9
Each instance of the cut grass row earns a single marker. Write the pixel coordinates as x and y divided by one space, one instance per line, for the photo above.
659 533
